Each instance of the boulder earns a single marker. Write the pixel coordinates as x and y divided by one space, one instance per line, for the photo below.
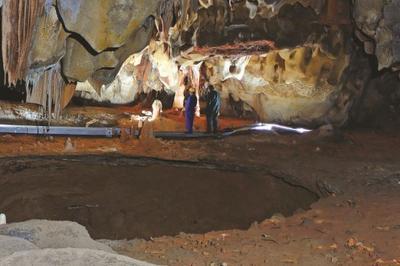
69 256
53 234
10 245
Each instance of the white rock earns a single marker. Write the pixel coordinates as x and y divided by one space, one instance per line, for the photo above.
68 256
53 234
10 245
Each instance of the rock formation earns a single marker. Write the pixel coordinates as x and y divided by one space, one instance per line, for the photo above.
51 44
292 61
43 242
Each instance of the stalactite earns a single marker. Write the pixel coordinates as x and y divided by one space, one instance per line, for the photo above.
19 18
167 17
45 88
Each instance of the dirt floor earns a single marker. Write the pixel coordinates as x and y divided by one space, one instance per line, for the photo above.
355 172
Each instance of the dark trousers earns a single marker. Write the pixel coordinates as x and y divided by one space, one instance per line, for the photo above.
189 118
212 123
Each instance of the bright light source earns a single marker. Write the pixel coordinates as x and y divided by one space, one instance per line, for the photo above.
271 127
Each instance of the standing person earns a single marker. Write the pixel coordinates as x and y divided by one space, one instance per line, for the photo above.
212 110
185 90
190 110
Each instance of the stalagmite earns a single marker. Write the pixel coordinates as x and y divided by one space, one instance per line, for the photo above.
156 110
3 219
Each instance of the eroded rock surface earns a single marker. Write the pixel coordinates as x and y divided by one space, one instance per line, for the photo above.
105 24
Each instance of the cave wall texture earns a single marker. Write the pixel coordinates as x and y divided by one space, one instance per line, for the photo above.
306 62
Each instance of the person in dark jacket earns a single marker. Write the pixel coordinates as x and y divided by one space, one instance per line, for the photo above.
212 110
190 110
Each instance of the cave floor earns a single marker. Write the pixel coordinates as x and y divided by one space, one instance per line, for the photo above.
356 172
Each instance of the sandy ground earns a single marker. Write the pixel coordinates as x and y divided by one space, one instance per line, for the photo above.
356 172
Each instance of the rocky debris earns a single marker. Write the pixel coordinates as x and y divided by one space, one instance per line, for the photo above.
327 189
10 245
53 234
353 243
69 256
326 130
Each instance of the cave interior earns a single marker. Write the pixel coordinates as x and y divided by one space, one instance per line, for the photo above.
304 163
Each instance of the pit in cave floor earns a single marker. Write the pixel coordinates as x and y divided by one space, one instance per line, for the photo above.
139 199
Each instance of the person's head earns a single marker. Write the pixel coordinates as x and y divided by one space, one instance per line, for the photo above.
211 88
186 81
192 91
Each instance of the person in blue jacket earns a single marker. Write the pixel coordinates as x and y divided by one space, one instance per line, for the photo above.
213 109
190 110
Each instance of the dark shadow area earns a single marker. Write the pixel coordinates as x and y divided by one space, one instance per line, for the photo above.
135 198
13 93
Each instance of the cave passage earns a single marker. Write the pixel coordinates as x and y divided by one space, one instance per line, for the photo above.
137 198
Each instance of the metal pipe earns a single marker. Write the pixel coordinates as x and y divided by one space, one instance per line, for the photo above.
60 131
110 132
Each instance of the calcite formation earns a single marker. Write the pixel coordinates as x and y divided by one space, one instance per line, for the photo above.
53 44
290 73
18 23
293 61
